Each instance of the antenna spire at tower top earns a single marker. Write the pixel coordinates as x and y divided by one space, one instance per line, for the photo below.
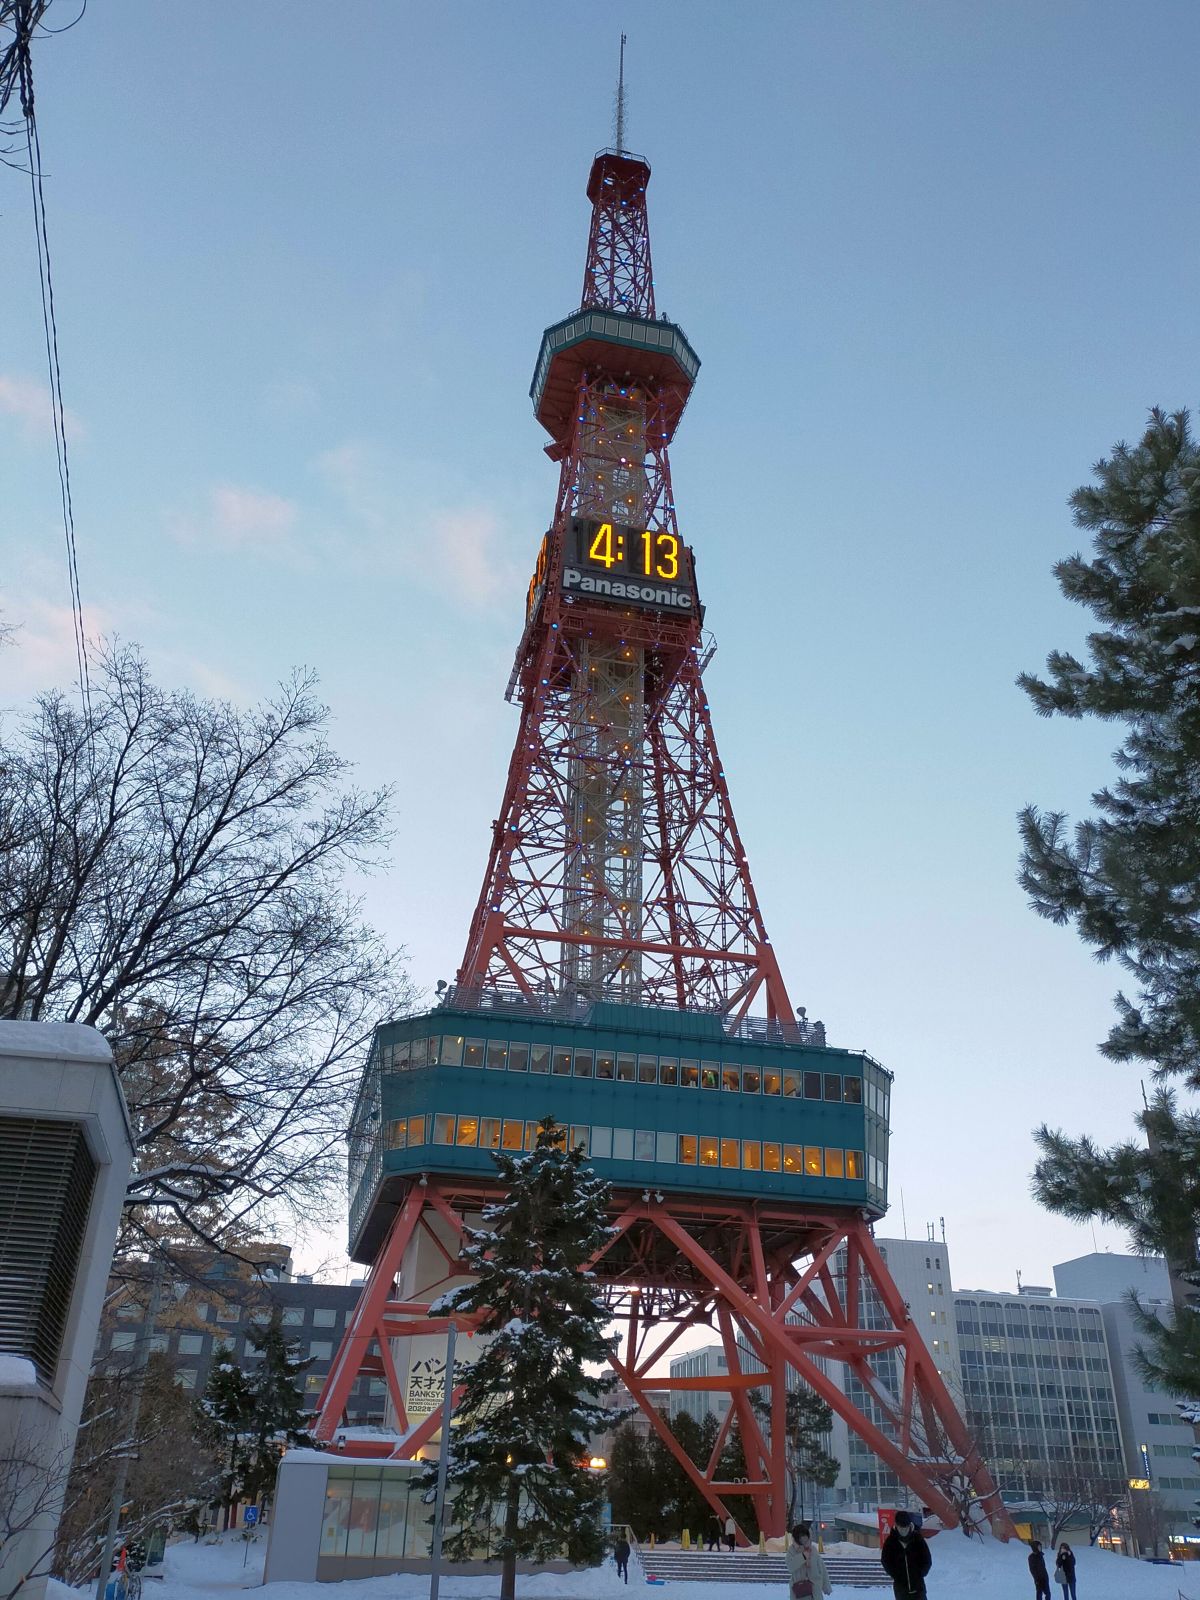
619 116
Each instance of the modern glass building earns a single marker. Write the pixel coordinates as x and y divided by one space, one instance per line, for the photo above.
1039 1392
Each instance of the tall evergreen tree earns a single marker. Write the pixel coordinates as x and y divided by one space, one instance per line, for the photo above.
227 1406
529 1404
277 1415
1128 877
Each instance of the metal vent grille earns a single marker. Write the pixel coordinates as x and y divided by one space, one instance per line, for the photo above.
46 1179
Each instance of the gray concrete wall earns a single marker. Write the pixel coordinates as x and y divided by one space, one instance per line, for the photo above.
61 1071
294 1542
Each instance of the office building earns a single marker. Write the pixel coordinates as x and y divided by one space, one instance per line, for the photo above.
214 1305
1158 1444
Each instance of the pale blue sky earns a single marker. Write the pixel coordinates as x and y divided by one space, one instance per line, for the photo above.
935 258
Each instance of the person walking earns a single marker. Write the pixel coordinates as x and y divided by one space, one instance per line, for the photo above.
731 1533
1037 1569
714 1534
906 1559
621 1552
807 1573
1064 1571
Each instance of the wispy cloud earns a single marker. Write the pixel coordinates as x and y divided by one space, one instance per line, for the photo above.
390 516
239 518
28 402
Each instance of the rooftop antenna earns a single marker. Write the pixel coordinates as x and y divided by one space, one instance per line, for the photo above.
620 112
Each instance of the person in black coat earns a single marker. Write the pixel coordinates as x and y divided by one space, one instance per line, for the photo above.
1064 1571
621 1552
1037 1568
906 1559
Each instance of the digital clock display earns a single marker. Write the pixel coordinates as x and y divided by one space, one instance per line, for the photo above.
645 567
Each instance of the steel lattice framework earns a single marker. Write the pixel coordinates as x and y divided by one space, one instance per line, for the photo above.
616 868
616 873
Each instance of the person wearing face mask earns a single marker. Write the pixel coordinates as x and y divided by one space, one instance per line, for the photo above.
807 1574
906 1559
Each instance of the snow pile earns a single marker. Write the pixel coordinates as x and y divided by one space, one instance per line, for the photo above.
962 1570
17 1373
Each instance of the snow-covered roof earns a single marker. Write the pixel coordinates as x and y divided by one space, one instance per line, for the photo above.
72 1039
17 1373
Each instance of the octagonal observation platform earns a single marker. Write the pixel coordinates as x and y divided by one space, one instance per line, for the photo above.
660 1099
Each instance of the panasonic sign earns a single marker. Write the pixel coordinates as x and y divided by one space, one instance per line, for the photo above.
660 596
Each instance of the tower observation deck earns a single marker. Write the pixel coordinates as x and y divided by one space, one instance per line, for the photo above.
618 976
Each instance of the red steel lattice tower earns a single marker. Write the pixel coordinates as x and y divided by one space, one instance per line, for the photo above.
618 924
616 867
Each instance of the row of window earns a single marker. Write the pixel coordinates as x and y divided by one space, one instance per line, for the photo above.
683 1072
640 1144
1164 1419
1178 1483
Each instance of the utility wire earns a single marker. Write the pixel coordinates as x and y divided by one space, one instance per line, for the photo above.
26 15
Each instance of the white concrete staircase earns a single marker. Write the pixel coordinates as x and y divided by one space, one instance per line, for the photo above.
710 1566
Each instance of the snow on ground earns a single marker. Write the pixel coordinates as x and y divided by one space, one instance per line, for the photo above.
962 1570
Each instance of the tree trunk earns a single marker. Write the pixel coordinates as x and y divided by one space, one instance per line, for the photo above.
508 1566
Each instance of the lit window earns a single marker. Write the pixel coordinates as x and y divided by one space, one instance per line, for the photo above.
562 1064
852 1091
710 1074
730 1153
751 1080
835 1167
539 1058
579 1136
419 1052
314 1382
791 1085
772 1157
416 1130
510 1137
731 1079
647 1069
497 1054
602 1143
772 1082
583 1063
606 1064
793 1158
687 1149
668 1070
709 1152
626 1069
854 1164
812 1161
435 1045
622 1144
472 1052
489 1133
452 1049
398 1134
664 1147
689 1074
518 1057
443 1129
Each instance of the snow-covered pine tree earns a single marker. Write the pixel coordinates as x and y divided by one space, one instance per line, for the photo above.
1128 877
277 1415
226 1408
529 1405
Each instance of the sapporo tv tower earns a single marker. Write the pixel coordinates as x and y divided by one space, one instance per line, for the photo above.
618 976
